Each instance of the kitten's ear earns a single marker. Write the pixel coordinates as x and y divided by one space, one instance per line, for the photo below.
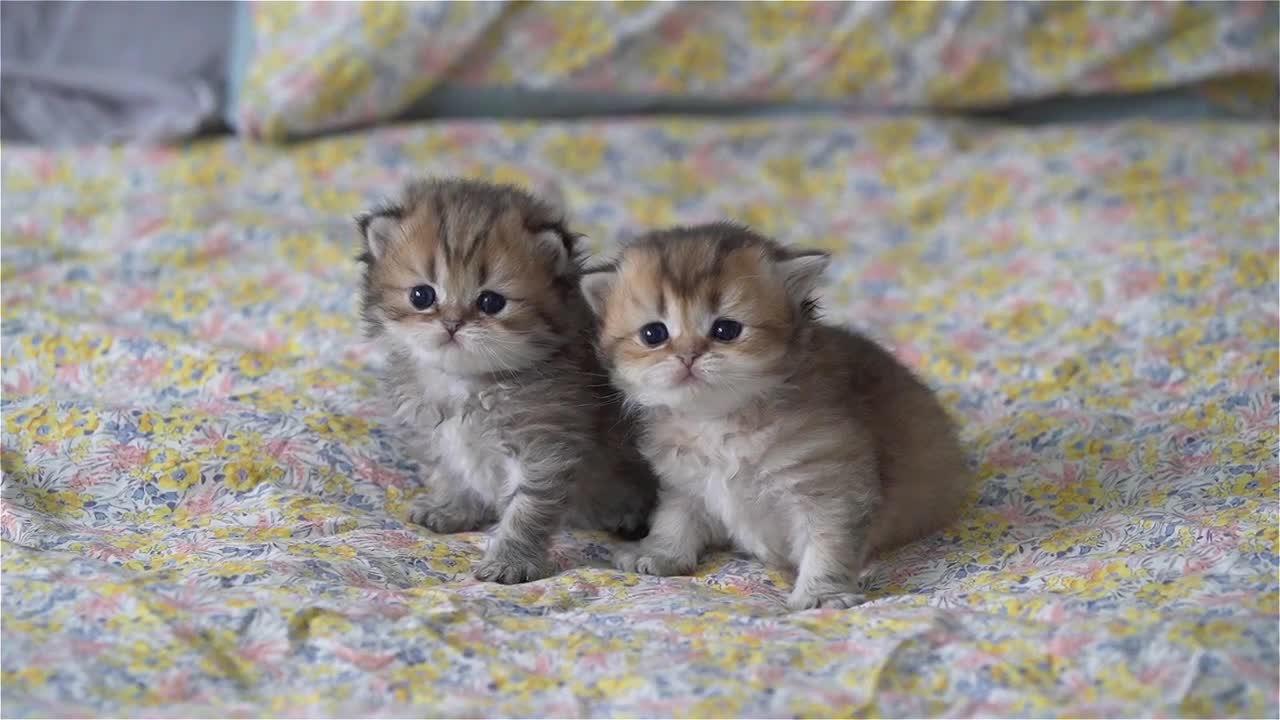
378 228
802 271
547 223
597 286
557 242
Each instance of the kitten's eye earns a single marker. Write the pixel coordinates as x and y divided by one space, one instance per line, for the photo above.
726 330
490 303
422 297
654 334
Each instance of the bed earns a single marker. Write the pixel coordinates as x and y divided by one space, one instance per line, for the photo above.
204 512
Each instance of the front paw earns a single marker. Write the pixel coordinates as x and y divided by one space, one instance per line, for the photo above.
448 517
510 569
646 562
807 600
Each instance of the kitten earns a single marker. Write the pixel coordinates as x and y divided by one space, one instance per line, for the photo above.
473 290
807 445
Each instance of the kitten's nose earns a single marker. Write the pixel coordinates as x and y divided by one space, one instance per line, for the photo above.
689 358
451 326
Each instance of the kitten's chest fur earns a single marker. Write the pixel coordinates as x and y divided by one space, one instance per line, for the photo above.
727 462
460 428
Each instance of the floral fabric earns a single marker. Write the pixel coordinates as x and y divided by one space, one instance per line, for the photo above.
204 510
318 66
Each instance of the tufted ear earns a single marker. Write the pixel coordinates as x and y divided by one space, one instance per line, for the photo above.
378 228
801 273
557 242
597 286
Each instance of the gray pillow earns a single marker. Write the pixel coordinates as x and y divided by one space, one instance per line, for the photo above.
82 72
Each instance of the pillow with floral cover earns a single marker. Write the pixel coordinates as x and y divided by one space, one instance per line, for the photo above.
319 66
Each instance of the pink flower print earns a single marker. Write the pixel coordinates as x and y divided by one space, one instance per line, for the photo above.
84 480
101 607
265 651
1117 214
88 648
148 226
108 553
672 27
23 384
369 662
71 375
378 474
125 458
201 504
175 688
135 298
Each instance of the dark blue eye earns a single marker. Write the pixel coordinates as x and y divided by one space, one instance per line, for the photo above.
422 297
490 303
726 330
654 334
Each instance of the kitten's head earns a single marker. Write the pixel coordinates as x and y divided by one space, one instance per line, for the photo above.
703 318
469 277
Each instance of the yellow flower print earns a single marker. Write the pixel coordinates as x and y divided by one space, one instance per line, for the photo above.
913 20
892 137
347 76
577 152
382 23
508 174
985 193
1060 40
695 60
244 474
986 81
179 477
908 170
863 61
181 303
57 349
256 364
654 210
773 24
346 428
1027 322
1194 32
583 35
212 166
63 503
188 373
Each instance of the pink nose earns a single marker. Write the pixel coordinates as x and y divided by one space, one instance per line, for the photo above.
689 359
452 326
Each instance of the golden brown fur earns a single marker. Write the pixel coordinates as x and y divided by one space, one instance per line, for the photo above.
803 443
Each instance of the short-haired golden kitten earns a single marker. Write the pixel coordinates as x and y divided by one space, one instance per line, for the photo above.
807 445
473 290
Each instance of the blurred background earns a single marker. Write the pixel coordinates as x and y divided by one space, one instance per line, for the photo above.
84 72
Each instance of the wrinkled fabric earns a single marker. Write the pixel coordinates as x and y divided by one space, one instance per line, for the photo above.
322 66
204 512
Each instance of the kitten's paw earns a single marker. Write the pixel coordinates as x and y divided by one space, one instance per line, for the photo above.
448 517
801 600
509 570
639 560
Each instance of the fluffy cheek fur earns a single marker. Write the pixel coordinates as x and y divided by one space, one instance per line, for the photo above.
725 377
479 347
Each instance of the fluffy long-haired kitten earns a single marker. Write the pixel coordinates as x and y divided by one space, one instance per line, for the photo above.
473 290
804 444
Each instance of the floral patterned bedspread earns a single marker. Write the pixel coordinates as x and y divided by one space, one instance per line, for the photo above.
203 512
